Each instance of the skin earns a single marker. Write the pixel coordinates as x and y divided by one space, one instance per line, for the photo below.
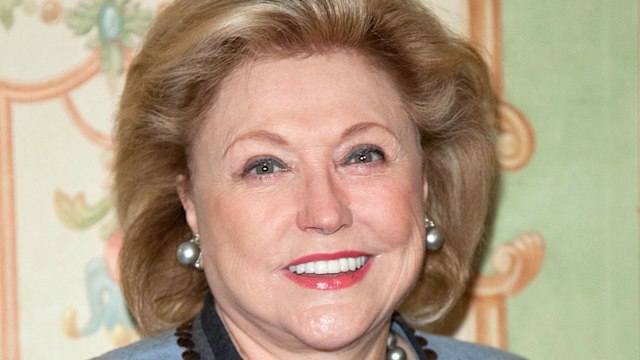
344 172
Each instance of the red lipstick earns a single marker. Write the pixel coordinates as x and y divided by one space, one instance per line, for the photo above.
329 271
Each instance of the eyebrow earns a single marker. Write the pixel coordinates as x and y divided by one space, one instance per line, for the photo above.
365 126
259 135
269 137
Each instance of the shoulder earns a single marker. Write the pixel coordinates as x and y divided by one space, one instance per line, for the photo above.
449 348
161 346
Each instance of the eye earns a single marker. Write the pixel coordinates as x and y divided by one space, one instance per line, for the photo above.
264 166
365 154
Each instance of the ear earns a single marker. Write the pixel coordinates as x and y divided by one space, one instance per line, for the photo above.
184 190
425 192
425 188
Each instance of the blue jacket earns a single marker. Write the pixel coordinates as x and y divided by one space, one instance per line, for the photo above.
164 346
209 338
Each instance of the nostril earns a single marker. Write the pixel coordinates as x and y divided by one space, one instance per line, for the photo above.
323 207
324 218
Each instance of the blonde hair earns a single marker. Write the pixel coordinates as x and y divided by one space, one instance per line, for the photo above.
194 44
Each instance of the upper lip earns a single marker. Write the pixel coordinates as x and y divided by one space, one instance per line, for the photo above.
327 256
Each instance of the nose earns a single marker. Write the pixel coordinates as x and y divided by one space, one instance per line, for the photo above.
324 208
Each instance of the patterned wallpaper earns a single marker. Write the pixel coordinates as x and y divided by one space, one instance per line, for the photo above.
62 66
61 69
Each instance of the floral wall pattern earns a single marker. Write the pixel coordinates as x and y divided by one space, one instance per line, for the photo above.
62 65
110 30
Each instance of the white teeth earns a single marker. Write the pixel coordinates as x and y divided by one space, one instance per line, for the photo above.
329 266
321 267
352 264
333 266
344 264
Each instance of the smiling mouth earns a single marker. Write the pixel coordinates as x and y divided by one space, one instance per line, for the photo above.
330 267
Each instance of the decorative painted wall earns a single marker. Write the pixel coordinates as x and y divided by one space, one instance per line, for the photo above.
561 278
572 67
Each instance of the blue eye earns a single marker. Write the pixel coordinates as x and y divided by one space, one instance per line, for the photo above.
365 154
264 166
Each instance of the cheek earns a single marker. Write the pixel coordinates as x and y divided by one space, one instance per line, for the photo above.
243 226
393 208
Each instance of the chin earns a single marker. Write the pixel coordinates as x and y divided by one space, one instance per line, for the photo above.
328 341
330 330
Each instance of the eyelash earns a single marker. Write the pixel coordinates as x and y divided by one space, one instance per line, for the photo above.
259 164
271 166
360 154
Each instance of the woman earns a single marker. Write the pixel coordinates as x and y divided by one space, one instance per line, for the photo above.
309 149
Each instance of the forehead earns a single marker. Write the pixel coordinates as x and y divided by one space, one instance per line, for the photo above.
311 93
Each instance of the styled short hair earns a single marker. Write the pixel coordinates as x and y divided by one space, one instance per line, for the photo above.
195 44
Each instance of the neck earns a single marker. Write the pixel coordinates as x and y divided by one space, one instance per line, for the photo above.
253 342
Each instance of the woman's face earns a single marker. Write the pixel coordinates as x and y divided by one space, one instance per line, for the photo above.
308 193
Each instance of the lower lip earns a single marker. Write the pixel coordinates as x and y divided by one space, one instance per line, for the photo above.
330 282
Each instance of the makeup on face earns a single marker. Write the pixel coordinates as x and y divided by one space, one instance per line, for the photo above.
306 189
329 271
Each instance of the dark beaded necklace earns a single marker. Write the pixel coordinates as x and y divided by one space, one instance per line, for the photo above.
184 340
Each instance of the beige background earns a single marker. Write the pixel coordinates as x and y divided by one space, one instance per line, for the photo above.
569 147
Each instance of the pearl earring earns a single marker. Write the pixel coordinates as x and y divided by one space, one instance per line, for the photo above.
189 253
433 237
